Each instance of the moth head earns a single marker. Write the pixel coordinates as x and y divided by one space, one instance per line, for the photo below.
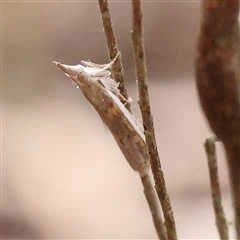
72 72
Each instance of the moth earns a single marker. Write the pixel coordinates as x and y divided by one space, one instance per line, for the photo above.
101 90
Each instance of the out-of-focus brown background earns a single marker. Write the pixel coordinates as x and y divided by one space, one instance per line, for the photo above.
63 175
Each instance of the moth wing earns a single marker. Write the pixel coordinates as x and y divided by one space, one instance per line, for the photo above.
109 83
95 65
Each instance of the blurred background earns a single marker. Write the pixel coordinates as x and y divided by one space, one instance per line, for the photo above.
63 176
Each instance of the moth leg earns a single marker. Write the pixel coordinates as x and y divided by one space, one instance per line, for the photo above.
129 100
102 67
109 65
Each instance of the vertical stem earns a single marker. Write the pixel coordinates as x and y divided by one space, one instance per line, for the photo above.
139 54
117 68
233 157
220 218
153 204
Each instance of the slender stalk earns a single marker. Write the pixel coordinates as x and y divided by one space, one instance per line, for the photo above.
233 157
220 219
118 74
117 68
153 204
141 72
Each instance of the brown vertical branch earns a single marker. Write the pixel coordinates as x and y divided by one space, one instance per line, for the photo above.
233 157
139 54
220 218
217 76
117 68
118 74
154 206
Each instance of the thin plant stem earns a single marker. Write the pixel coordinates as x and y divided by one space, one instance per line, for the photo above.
117 68
150 194
220 219
144 104
118 73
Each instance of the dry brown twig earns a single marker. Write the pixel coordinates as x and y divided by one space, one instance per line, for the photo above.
217 76
220 218
117 68
144 104
149 190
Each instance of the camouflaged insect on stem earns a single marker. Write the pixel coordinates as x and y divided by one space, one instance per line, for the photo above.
102 92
